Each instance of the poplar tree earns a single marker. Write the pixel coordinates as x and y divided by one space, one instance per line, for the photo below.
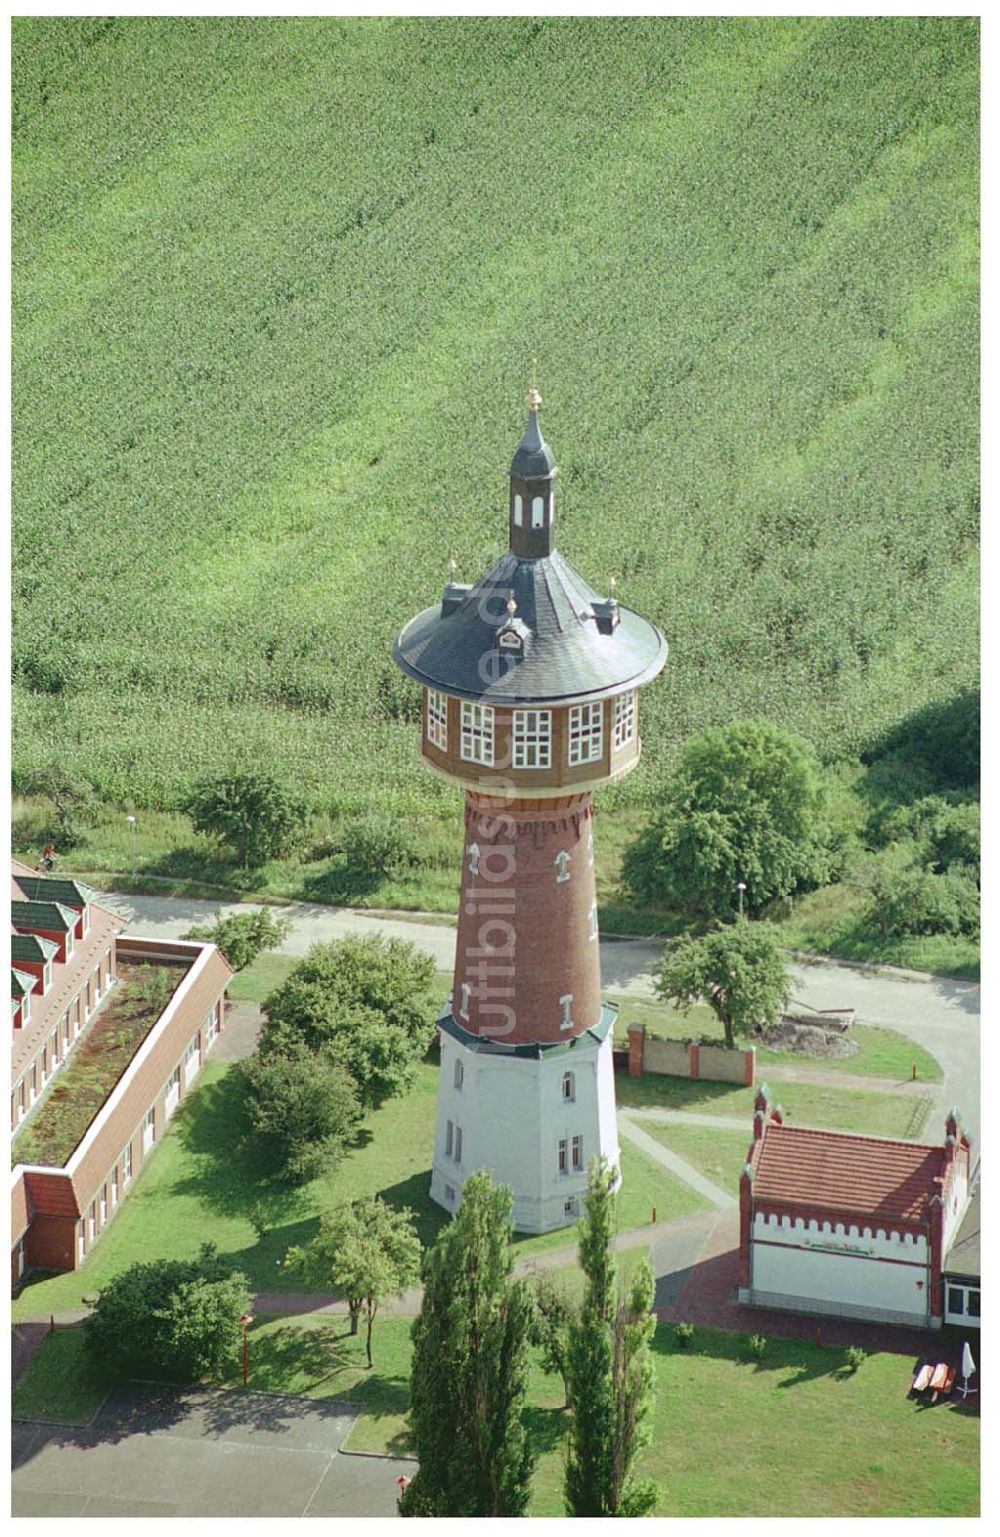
610 1371
470 1367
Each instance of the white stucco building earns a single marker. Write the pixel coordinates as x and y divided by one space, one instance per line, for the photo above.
854 1226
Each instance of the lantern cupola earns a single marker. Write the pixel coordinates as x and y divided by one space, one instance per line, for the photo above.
532 490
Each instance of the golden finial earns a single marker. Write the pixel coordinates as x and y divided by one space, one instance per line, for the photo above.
534 399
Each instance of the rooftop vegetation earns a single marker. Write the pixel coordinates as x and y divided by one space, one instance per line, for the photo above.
100 1057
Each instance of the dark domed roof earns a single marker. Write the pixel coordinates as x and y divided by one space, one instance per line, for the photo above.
534 459
567 656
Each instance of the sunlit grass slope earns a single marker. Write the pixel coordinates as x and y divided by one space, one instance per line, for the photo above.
276 288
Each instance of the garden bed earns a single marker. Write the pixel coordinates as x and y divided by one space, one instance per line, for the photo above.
97 1062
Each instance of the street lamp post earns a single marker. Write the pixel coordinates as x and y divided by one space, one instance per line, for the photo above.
246 1319
741 886
131 822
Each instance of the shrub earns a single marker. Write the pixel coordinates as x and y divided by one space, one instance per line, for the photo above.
378 844
683 1335
303 1105
363 1000
854 1356
749 804
177 1319
251 813
914 902
756 1345
243 936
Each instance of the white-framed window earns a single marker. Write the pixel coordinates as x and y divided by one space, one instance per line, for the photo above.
81 1243
148 1129
33 1083
92 1222
569 1087
192 1058
566 1023
173 1092
449 1140
577 1154
115 1187
570 1207
21 1259
437 719
477 733
66 1035
586 733
54 1048
624 719
26 1007
104 1204
518 510
449 1194
537 511
86 919
46 976
70 943
127 1164
533 739
212 1025
459 1076
561 863
463 1010
562 1164
45 1063
458 1144
22 1099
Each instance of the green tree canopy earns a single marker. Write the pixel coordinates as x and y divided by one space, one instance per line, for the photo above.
250 813
610 1370
366 1001
178 1319
366 1251
243 936
303 1107
470 1367
739 971
747 804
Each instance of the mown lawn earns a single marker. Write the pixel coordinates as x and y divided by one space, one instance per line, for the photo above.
790 1434
881 1053
60 1385
198 1188
804 1104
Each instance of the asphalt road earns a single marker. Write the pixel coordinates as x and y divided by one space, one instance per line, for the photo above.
938 1013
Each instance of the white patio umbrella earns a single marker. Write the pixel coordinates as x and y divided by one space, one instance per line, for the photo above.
968 1367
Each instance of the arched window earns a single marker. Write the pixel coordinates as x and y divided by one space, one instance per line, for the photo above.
537 511
518 510
569 1087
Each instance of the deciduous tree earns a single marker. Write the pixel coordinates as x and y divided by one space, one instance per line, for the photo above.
368 1252
303 1105
243 936
470 1367
610 1371
739 971
747 804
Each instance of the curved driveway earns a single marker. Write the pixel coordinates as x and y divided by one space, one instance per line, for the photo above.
938 1013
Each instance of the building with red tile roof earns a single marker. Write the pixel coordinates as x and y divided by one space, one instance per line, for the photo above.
856 1226
68 958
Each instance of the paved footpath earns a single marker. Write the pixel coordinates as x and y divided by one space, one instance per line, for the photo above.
938 1013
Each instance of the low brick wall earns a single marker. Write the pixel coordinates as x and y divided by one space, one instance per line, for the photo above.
687 1059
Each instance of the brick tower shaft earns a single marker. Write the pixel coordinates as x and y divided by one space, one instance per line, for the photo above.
527 961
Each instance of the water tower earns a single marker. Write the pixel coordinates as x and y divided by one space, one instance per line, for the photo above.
531 686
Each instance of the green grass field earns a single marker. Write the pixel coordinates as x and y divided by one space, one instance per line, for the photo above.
804 1104
722 1431
276 288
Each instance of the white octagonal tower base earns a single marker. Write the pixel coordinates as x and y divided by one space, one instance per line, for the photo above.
507 1109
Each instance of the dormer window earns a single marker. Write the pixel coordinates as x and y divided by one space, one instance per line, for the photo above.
509 640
